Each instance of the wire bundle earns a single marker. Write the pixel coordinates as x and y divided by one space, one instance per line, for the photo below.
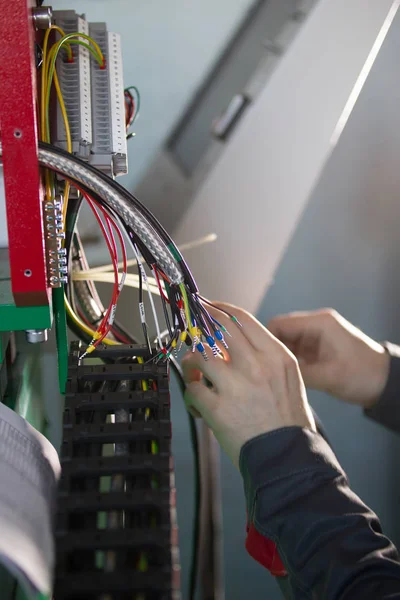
187 318
119 213
132 108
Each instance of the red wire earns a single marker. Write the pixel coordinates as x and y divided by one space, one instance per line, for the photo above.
164 277
109 237
105 327
131 106
112 225
110 231
159 285
85 320
123 248
121 338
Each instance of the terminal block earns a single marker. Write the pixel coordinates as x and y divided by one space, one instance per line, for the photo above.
56 260
75 86
109 151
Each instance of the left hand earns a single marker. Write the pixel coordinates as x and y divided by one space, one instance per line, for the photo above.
256 388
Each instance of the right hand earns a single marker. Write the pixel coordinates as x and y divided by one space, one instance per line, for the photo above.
334 356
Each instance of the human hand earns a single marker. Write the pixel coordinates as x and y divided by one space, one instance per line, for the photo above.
334 356
256 388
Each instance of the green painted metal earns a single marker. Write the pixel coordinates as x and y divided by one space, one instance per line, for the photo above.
61 336
15 318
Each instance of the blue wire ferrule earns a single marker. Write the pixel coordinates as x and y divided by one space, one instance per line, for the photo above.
212 344
202 350
221 338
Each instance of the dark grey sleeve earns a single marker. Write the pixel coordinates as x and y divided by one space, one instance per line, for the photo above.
387 410
306 525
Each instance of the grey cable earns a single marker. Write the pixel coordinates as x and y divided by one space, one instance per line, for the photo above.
127 211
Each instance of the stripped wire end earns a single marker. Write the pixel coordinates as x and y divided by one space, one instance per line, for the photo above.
224 329
202 350
221 339
235 320
213 345
88 350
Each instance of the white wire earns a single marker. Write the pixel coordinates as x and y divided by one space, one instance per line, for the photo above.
207 239
132 280
153 308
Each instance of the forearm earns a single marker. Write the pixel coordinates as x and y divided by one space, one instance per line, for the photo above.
387 410
330 543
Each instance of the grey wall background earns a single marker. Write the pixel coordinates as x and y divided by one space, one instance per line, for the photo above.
167 48
345 254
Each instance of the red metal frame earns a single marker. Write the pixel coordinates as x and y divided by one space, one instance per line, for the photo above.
19 136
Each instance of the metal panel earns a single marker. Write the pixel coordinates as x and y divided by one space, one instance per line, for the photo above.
19 141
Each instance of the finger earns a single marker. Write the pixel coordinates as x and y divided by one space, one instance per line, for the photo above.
201 400
236 348
215 371
252 330
195 413
193 374
290 328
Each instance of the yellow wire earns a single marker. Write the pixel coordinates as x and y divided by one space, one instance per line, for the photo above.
83 325
44 75
48 58
192 330
68 307
69 141
145 387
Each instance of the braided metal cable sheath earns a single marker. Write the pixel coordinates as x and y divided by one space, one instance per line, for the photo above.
121 206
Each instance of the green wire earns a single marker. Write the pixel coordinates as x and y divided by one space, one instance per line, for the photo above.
135 89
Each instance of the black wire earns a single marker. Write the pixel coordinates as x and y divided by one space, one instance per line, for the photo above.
195 309
194 439
121 330
166 316
144 326
132 200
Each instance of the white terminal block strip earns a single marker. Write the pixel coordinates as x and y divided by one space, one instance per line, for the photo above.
75 87
109 150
